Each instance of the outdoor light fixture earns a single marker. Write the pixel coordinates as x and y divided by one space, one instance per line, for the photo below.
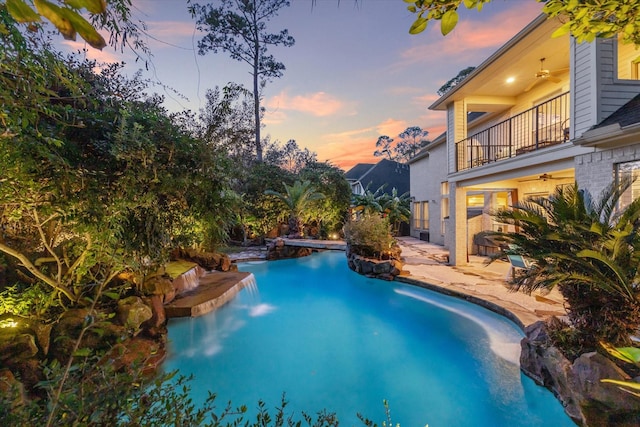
511 79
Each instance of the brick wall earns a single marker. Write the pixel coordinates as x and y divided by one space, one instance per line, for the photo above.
595 170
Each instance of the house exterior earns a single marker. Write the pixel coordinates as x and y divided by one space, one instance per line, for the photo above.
369 176
531 117
429 208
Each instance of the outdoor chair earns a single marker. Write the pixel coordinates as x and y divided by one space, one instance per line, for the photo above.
518 263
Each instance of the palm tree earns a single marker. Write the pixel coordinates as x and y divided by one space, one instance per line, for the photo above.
591 252
368 202
396 208
297 199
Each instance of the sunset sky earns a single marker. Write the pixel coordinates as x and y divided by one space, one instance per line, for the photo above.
354 73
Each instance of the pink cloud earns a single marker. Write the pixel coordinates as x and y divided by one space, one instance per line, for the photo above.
470 38
171 31
107 54
274 117
319 104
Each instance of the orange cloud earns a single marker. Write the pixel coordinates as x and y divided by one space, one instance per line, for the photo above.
349 153
391 127
319 104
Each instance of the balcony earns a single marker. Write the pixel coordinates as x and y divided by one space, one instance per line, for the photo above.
542 126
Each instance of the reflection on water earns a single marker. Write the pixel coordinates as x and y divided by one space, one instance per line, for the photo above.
504 343
261 310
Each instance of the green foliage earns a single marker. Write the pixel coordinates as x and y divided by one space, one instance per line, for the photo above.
227 123
629 355
297 200
590 252
444 11
369 235
35 301
66 17
369 202
260 212
330 212
112 16
397 208
585 20
588 20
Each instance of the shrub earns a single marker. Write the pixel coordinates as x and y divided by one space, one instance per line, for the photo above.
370 236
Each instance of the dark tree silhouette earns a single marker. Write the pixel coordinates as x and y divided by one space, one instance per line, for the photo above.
239 27
455 81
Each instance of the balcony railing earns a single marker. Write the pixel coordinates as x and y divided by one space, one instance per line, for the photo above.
544 125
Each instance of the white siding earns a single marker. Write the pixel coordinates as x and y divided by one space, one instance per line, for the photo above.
584 95
597 90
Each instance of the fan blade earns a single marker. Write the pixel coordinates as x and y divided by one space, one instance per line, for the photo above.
531 85
560 71
554 79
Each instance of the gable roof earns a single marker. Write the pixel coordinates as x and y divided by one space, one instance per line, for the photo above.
626 115
620 128
358 170
393 174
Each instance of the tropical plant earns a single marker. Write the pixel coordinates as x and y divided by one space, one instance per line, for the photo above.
629 355
330 212
240 29
297 199
590 252
368 202
397 208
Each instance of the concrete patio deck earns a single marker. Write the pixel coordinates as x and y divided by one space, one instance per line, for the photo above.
477 282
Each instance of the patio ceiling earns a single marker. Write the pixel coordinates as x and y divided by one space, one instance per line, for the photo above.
486 89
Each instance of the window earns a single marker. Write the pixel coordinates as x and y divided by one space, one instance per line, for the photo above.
421 215
445 214
417 215
628 55
444 188
630 170
425 215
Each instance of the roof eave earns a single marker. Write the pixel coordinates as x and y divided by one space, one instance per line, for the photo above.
442 102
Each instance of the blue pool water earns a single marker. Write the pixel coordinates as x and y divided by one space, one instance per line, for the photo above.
332 339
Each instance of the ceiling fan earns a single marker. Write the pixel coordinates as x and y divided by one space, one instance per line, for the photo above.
544 75
546 177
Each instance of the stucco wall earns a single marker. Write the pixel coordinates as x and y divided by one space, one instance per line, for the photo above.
427 175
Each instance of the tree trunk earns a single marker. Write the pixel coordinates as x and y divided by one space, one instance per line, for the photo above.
256 97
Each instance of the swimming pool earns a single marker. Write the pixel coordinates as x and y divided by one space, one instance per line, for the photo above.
330 338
